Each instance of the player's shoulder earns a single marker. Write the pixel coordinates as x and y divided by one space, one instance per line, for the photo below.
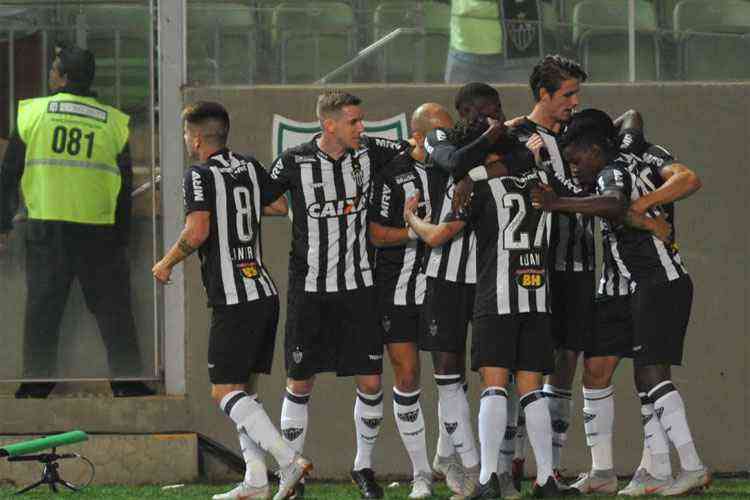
657 156
438 134
523 130
199 171
302 153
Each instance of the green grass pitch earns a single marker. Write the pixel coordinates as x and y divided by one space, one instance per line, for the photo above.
725 488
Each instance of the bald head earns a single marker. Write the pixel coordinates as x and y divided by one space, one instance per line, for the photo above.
428 116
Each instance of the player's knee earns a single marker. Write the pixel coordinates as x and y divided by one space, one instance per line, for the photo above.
407 380
648 377
446 363
219 392
597 373
369 384
300 386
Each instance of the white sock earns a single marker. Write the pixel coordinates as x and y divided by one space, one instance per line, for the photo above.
539 430
493 415
444 444
599 422
247 412
655 442
508 445
456 418
670 409
368 415
294 419
410 423
560 404
256 474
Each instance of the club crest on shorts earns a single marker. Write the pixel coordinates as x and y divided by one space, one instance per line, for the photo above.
386 322
297 355
433 328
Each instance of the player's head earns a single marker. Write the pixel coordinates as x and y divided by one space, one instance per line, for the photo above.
341 117
589 144
73 68
476 101
555 82
427 117
206 127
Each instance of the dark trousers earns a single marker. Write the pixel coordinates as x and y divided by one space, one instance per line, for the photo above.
56 253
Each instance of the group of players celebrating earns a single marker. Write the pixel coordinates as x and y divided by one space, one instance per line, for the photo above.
405 243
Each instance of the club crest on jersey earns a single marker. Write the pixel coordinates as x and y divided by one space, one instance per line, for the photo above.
386 321
297 355
249 269
433 329
336 208
530 279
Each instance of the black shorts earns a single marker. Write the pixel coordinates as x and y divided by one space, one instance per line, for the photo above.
513 341
332 332
447 310
661 314
572 309
398 323
241 340
613 328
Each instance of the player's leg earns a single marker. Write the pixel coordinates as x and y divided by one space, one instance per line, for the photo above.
558 389
241 344
508 486
408 414
661 315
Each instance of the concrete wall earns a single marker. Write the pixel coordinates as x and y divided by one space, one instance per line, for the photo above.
706 127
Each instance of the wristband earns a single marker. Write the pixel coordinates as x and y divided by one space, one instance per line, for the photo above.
478 173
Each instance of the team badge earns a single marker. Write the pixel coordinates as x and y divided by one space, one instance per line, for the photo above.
646 418
588 417
409 416
521 33
450 427
372 423
292 433
433 329
297 355
386 323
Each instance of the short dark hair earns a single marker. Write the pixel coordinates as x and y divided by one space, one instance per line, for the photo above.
552 71
333 101
588 128
77 64
471 92
211 117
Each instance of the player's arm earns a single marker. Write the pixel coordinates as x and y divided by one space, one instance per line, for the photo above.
679 183
630 119
272 199
434 235
382 150
459 161
277 207
385 215
194 234
384 236
610 204
11 172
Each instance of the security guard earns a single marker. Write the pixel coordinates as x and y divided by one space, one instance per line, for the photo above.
70 154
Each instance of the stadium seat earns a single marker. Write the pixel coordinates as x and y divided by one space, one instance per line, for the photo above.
312 39
118 35
221 43
600 33
413 58
712 45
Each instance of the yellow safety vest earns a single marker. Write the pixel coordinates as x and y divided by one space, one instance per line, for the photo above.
72 144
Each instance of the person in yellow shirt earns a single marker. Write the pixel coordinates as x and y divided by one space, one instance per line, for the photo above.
71 157
493 40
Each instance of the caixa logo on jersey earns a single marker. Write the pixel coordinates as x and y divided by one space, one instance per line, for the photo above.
336 208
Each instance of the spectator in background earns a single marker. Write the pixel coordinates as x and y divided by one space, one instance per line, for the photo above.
71 156
493 41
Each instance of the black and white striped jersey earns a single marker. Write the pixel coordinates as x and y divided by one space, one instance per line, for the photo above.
398 270
646 161
456 260
572 235
512 244
330 250
234 189
637 255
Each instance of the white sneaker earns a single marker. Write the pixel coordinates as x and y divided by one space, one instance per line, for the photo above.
291 474
643 484
450 469
469 485
596 481
421 486
244 491
507 488
687 481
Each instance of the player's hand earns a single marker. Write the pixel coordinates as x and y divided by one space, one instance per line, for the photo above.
542 196
162 272
495 130
535 145
462 194
411 205
661 229
514 122
640 205
4 242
